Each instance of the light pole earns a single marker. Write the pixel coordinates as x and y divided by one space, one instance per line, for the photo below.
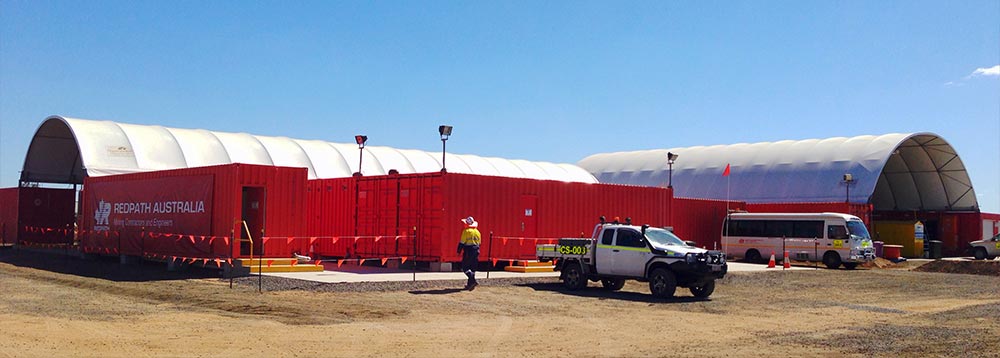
848 179
671 157
360 139
445 132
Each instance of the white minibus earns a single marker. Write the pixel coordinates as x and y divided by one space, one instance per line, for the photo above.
832 238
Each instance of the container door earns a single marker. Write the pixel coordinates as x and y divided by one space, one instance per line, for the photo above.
528 203
253 215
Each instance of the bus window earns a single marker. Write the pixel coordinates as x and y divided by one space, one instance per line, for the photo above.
778 228
836 232
807 229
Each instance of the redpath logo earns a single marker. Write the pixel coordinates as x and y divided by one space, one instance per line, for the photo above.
101 216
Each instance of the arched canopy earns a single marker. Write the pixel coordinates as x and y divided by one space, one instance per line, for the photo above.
917 171
65 150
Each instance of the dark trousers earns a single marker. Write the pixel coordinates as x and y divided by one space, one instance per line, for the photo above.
470 259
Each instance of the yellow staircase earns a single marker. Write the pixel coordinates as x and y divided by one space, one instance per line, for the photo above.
530 266
278 265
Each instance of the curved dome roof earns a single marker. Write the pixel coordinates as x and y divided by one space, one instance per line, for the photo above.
65 150
916 171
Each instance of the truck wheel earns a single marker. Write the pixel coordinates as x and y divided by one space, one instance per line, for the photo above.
573 277
662 283
752 256
613 284
850 265
831 259
703 291
980 253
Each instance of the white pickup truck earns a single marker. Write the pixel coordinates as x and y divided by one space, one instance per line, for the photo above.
619 252
986 249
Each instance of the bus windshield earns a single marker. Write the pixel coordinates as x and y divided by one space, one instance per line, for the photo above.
857 229
663 237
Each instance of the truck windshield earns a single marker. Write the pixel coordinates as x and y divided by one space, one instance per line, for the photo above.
857 229
663 237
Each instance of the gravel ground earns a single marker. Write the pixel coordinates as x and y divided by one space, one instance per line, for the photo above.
70 307
272 283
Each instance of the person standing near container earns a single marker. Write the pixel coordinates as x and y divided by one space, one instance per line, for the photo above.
468 246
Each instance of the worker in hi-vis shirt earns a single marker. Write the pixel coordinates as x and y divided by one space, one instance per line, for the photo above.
468 246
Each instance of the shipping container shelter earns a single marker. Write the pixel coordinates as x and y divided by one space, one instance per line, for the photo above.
891 177
383 214
37 217
193 212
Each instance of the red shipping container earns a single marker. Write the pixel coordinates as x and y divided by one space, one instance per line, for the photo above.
700 220
40 217
518 212
192 212
8 216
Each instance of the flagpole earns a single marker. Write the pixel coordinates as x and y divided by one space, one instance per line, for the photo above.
726 174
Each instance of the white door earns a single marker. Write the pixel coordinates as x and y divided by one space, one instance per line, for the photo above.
605 252
836 239
630 253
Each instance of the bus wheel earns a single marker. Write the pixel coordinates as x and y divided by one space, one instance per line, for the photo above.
752 256
831 259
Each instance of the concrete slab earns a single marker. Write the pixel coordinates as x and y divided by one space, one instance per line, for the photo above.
395 275
746 267
354 273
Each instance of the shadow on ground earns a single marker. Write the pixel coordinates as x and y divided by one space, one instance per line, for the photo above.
602 294
443 291
102 267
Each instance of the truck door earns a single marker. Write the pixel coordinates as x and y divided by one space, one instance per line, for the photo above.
604 252
629 253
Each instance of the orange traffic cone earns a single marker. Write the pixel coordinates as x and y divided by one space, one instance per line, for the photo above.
770 264
787 264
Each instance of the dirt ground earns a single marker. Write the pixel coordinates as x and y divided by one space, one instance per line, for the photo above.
53 306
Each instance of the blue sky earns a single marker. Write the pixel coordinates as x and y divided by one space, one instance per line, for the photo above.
551 81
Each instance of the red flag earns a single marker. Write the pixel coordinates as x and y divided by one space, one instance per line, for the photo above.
726 172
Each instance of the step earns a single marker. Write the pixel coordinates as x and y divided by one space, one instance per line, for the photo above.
263 262
526 269
531 263
288 268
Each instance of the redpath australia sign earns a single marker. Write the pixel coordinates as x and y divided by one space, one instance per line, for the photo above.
176 205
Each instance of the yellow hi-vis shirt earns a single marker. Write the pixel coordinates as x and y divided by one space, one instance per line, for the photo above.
470 237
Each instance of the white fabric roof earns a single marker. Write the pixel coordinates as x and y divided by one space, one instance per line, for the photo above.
917 171
65 150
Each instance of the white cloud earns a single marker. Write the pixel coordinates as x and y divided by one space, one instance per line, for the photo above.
983 71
